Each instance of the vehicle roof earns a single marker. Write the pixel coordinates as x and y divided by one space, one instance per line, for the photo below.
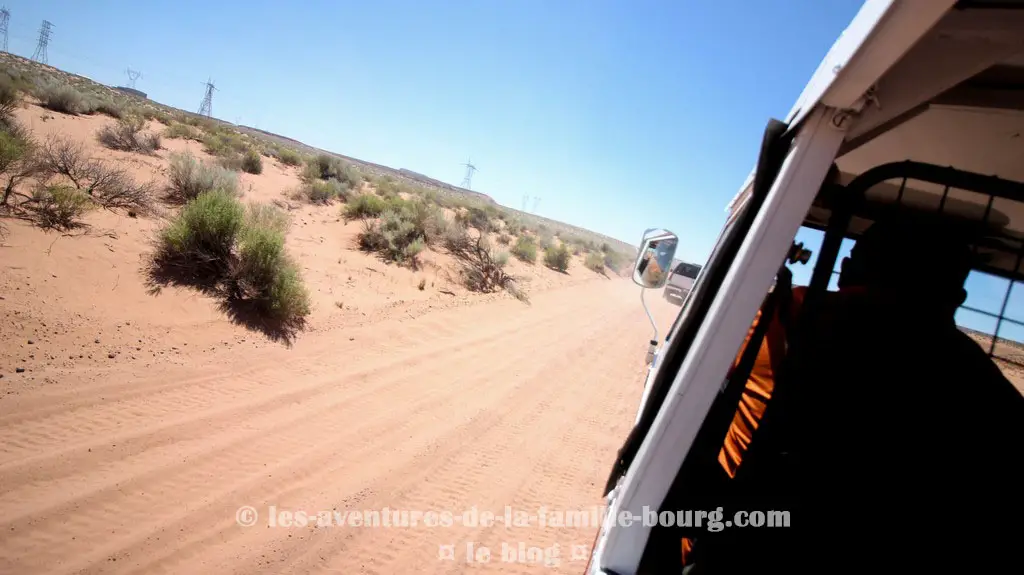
932 81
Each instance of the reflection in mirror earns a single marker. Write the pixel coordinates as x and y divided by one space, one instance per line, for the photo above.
655 260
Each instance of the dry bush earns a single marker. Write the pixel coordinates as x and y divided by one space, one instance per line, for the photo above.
483 271
189 177
110 108
322 192
127 135
105 185
64 99
504 239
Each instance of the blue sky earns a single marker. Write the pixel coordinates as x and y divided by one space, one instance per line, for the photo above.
619 115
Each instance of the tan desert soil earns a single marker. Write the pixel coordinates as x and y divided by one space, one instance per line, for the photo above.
121 469
144 418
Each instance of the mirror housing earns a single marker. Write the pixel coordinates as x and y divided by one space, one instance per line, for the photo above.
654 261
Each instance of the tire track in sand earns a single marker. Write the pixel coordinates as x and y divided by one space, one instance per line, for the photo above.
498 404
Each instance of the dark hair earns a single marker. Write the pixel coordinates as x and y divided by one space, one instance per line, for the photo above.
911 248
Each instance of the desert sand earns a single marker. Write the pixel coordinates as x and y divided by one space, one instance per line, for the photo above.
144 419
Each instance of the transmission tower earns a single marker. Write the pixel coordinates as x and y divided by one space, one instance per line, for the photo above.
206 108
526 199
133 75
536 202
5 17
44 39
467 182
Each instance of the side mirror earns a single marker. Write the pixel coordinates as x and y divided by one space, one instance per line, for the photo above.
654 262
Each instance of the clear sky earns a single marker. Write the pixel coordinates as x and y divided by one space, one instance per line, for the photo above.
618 115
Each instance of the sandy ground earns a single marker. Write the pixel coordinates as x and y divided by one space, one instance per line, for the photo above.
134 422
120 469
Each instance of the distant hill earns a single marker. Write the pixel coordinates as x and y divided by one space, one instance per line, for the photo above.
33 69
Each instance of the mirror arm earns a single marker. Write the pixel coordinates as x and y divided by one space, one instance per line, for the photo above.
649 316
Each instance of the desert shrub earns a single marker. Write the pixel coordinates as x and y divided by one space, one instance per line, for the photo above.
394 237
59 206
478 218
177 130
63 99
557 258
504 239
482 270
364 206
223 142
595 261
17 157
126 134
262 273
189 177
614 260
289 157
106 185
109 107
500 259
525 249
546 241
214 242
9 100
322 191
200 239
252 162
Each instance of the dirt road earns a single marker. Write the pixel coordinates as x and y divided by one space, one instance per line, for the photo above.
143 470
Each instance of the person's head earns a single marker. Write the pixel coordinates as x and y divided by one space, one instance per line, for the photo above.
916 259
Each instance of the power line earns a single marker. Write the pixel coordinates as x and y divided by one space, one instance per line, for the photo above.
467 182
133 75
44 40
5 17
206 107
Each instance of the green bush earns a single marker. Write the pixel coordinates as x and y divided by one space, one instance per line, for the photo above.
126 134
158 115
289 157
395 237
64 99
500 259
110 108
223 142
263 274
595 261
190 177
239 253
322 191
203 234
9 100
525 249
60 207
557 258
177 130
364 206
252 162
